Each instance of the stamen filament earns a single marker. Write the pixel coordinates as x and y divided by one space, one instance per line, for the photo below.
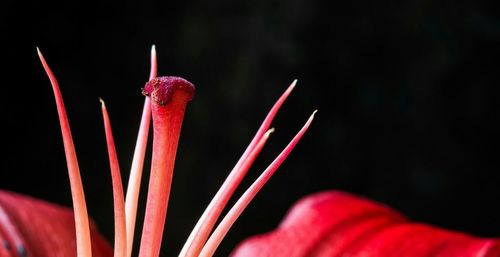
119 204
233 214
205 224
134 183
80 207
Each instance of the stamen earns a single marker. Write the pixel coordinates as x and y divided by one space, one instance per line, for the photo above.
80 207
134 183
205 224
233 214
119 204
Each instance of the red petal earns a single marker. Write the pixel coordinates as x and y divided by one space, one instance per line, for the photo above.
46 229
334 224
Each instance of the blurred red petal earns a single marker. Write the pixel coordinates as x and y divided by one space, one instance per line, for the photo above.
45 229
334 224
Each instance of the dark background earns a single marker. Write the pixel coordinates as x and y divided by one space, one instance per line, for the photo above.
406 92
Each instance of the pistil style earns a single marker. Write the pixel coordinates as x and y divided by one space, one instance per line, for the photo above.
169 97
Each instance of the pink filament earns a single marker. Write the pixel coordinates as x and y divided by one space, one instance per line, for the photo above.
119 204
134 184
233 214
77 194
205 224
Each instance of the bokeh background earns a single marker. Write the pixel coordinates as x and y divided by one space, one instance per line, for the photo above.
406 92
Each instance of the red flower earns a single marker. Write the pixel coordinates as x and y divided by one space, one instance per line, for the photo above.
339 224
326 224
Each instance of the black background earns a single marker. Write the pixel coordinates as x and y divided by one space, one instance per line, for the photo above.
406 93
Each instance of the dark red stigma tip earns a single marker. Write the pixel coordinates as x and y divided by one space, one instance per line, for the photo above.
161 89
